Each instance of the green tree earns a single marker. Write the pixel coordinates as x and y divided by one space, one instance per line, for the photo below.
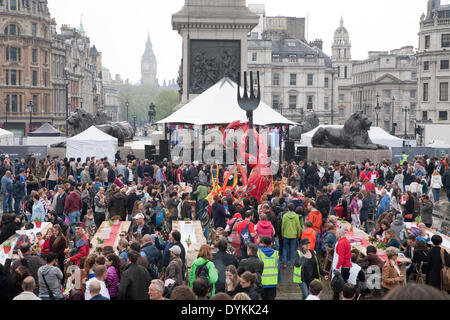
165 102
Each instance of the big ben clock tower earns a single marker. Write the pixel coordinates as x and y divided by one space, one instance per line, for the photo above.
148 65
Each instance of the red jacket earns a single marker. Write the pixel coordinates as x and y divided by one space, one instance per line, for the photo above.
344 250
316 218
73 203
310 233
83 250
46 247
369 186
264 228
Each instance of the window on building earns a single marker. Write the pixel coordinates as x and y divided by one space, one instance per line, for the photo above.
33 7
387 108
14 103
7 103
427 42
325 103
339 72
35 78
387 93
326 83
387 125
412 109
445 40
345 72
426 65
12 4
275 58
424 115
341 97
412 94
275 101
341 112
292 102
254 56
310 79
45 78
45 57
35 103
443 91
425 91
7 77
310 104
444 64
292 58
12 30
13 77
443 115
293 79
34 55
413 76
34 29
276 79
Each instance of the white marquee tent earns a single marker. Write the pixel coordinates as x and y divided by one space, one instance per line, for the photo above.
438 144
6 138
219 105
376 134
90 143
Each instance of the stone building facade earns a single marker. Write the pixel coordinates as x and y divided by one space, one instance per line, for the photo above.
26 68
111 91
393 76
433 56
296 78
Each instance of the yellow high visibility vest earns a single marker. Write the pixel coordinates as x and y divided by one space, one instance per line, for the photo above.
404 159
269 276
297 278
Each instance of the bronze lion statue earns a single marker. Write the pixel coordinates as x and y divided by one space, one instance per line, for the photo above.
310 122
80 120
354 135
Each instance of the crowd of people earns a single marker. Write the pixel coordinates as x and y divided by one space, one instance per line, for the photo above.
295 228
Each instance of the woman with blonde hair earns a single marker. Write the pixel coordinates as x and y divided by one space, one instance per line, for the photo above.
241 296
391 275
232 280
204 267
436 184
88 266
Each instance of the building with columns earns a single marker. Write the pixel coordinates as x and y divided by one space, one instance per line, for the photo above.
111 90
342 73
26 68
433 56
393 77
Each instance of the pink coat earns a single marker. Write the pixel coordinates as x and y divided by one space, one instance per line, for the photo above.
264 228
113 282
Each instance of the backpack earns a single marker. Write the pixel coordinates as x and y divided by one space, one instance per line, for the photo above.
20 239
445 274
202 271
246 237
160 215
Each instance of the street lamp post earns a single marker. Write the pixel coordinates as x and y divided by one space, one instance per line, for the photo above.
392 115
406 110
30 108
81 102
360 97
127 104
134 123
67 81
378 108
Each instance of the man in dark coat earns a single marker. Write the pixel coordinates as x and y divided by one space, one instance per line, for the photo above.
323 204
131 199
117 204
222 260
252 263
435 262
60 201
33 262
135 280
9 226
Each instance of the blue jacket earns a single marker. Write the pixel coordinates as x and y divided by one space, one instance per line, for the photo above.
269 252
151 253
393 243
7 185
384 205
99 297
38 211
166 253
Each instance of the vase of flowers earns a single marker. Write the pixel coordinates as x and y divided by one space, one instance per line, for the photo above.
99 250
116 220
7 247
38 222
187 221
188 241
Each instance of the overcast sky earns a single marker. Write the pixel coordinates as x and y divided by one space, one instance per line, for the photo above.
119 28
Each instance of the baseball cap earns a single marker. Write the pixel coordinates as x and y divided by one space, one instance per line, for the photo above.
176 250
139 216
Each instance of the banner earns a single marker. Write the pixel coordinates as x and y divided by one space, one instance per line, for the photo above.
20 152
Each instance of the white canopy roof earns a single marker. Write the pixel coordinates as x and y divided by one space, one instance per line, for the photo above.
376 134
438 144
90 143
6 138
219 105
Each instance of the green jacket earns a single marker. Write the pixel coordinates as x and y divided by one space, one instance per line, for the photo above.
213 276
290 226
201 193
